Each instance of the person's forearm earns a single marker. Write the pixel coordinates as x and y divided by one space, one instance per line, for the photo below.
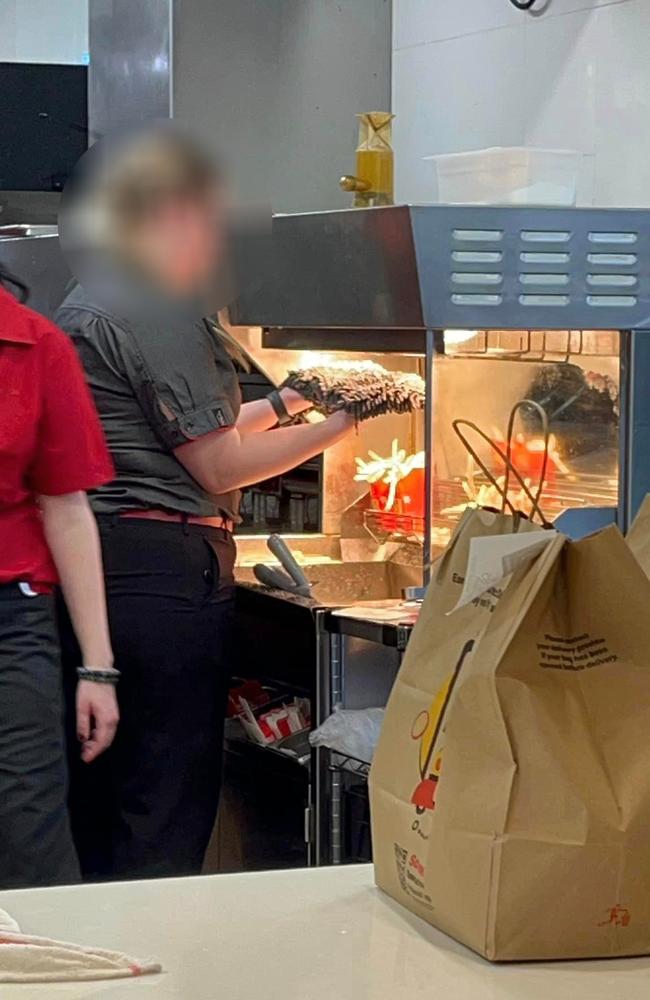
71 534
226 460
256 457
259 415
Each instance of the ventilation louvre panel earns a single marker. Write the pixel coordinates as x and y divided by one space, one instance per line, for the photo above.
544 267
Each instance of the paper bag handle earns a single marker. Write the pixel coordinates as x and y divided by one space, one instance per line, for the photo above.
507 460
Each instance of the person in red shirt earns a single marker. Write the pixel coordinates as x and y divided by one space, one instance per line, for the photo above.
51 450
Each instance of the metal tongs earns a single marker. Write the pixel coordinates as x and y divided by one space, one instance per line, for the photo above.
293 581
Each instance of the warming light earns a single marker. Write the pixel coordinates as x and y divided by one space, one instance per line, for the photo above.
453 337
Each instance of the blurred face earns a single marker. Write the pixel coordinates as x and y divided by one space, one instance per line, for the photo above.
181 244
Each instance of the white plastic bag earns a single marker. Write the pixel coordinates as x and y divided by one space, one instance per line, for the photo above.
351 732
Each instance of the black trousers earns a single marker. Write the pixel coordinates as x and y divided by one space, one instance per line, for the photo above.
146 808
36 845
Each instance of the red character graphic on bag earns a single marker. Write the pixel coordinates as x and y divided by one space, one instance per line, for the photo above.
619 916
426 728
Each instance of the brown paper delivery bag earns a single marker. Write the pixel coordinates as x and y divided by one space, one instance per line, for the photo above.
638 537
510 789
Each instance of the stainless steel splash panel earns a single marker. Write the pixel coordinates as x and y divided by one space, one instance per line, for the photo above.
242 73
130 72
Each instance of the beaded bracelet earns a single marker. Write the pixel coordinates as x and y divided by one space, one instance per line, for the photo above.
98 676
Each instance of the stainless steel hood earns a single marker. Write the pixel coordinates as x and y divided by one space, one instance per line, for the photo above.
345 269
406 268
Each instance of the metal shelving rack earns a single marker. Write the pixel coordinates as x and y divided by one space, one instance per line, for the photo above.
330 768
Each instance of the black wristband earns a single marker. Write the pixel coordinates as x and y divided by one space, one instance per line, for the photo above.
280 410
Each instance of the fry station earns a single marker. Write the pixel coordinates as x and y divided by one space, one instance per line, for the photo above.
494 309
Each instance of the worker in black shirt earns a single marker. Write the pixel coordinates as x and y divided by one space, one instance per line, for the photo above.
183 445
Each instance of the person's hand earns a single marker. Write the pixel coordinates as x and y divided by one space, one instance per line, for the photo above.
294 402
97 718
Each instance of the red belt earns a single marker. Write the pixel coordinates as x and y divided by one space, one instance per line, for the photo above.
178 518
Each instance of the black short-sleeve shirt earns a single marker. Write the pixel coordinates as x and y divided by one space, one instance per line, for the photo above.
156 387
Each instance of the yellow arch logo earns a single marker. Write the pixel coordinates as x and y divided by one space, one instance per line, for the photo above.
426 728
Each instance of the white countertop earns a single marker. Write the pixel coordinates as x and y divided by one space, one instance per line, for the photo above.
319 934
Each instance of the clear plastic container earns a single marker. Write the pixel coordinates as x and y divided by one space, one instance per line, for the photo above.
511 175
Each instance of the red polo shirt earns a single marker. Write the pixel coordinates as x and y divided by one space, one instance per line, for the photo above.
51 440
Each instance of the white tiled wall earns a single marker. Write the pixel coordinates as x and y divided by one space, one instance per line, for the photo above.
50 31
474 73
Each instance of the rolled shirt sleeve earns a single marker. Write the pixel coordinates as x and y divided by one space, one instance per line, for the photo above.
187 385
71 452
